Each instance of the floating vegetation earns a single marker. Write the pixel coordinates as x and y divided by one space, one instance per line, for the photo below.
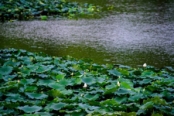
35 84
29 9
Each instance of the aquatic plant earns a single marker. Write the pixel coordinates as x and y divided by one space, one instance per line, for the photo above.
29 9
36 84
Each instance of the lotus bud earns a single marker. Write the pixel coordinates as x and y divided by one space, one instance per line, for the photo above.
72 74
144 65
118 83
85 85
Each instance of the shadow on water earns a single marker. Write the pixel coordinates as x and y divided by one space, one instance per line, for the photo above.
131 33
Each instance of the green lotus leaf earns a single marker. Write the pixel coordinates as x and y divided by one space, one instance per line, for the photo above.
72 81
6 112
121 99
27 81
30 88
156 100
110 89
89 80
83 106
32 68
14 97
123 91
78 112
67 92
126 83
145 81
45 82
12 63
91 97
147 73
42 69
101 79
9 77
60 77
136 97
124 72
65 82
39 58
43 114
30 109
114 72
78 81
141 112
43 75
6 70
56 86
57 106
26 60
55 93
36 95
169 68
25 71
147 105
109 102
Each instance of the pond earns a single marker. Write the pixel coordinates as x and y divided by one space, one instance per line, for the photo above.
129 33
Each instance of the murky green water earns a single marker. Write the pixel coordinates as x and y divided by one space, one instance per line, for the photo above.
130 33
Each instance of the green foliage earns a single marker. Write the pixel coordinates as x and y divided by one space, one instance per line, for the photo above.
28 109
33 84
29 9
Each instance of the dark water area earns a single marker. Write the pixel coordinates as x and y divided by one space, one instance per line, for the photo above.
130 33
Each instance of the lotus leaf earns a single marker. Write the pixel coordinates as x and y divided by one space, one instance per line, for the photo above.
27 81
36 95
109 103
56 86
57 106
111 88
89 80
123 91
114 72
9 77
6 70
60 77
45 82
30 109
91 97
30 88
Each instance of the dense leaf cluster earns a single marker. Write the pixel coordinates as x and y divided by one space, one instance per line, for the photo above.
28 9
34 84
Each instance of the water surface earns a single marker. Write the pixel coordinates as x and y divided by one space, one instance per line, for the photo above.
131 33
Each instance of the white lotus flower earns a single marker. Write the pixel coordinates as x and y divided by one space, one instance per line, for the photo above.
144 65
85 85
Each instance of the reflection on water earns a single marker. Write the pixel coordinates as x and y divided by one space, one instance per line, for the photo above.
135 32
